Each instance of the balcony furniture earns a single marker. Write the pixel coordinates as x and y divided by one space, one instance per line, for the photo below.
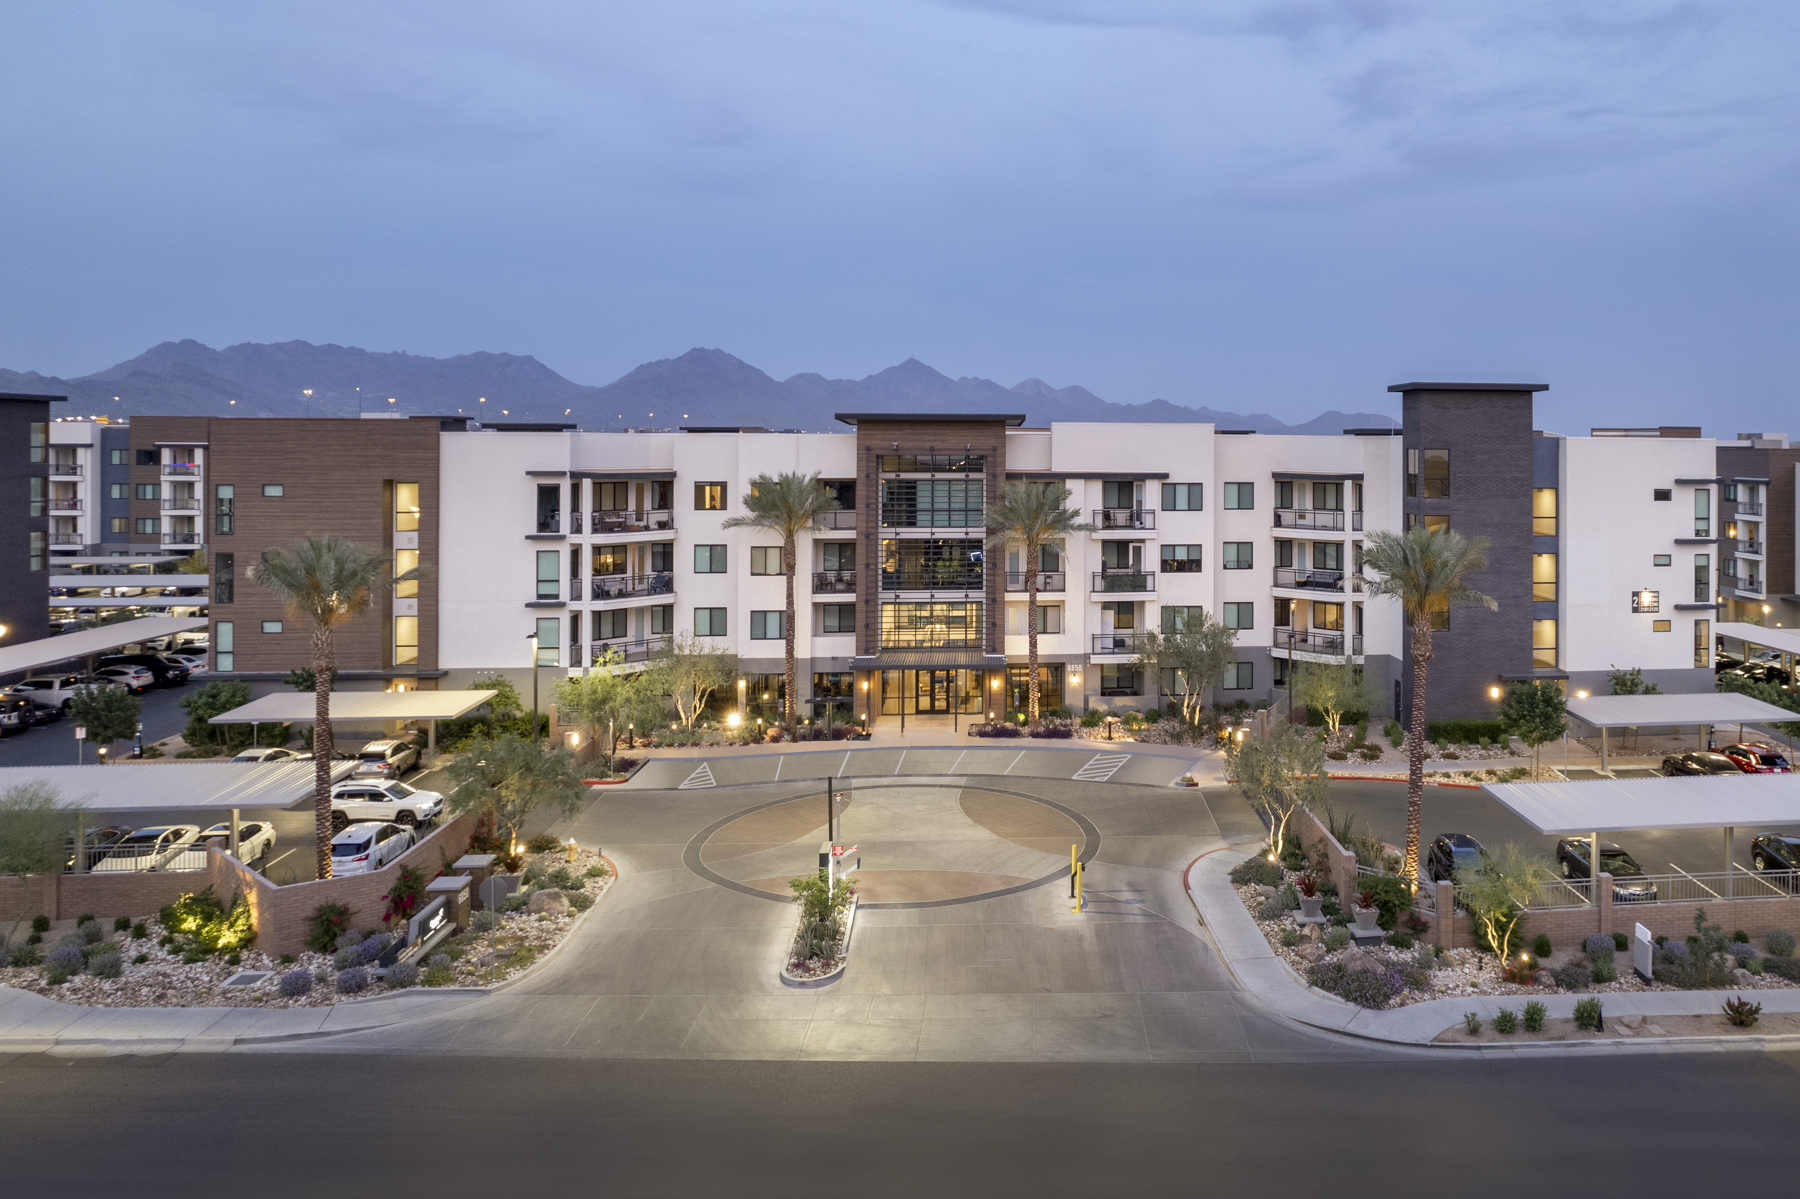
842 518
1126 642
1312 579
834 582
1114 581
1125 518
1330 520
65 469
635 650
616 587
1047 580
180 468
1313 641
633 520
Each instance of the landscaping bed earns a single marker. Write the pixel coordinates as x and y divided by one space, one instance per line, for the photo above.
1621 1028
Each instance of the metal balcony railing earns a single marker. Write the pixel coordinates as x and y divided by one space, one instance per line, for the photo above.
616 587
181 468
1113 581
181 539
63 470
1312 641
834 582
574 522
1118 643
550 524
65 503
1313 579
181 503
639 650
574 590
633 520
1330 520
1749 547
1047 580
843 518
1125 518
65 539
1744 507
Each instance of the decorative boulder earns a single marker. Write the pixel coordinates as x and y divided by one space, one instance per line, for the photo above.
1743 977
1312 951
1267 892
1313 933
549 901
1544 978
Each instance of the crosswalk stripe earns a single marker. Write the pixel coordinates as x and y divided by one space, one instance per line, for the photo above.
702 777
1101 767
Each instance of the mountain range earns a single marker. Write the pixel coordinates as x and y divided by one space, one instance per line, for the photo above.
701 387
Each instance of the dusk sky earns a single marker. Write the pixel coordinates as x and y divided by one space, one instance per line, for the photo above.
1278 207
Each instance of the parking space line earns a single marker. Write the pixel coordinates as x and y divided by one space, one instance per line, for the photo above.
844 765
1692 879
958 762
1015 762
900 763
779 759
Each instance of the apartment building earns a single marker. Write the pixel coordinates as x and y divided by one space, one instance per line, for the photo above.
1757 483
25 498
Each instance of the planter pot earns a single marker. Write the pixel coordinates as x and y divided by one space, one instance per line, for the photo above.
1365 919
1309 908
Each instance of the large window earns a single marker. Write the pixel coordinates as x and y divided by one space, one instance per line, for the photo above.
36 542
709 622
1702 578
610 559
1329 617
1240 615
837 618
1120 678
932 503
549 508
40 438
149 491
1240 495
406 507
549 640
612 624
662 556
1703 513
918 564
765 560
149 525
406 640
837 555
1428 474
1543 511
709 497
224 645
833 684
224 578
767 626
662 619
1179 618
1181 559
1703 643
1543 644
1543 576
1050 687
709 559
224 509
931 625
1238 555
1240 676
1183 497
1328 496
404 561
549 574
1328 555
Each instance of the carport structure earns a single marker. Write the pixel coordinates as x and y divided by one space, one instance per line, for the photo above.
351 707
1702 709
1785 642
87 644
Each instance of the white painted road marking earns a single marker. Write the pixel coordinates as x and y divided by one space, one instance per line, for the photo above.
702 777
898 764
1101 767
1015 762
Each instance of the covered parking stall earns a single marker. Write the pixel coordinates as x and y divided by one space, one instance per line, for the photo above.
1754 638
28 657
362 707
1704 710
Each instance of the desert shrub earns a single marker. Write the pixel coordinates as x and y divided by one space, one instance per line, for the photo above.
1337 938
1606 970
438 976
1394 733
121 923
1788 968
438 961
1400 940
1472 1022
515 903
401 975
26 955
1392 899
1337 755
90 932
1574 977
579 901
1743 951
353 981
1541 947
1091 719
1425 957
106 965
1506 1022
1741 936
543 843
90 952
1290 938
485 921
1741 1012
1366 988
1053 732
598 870
328 923
349 937
1754 966
1271 909
40 925
1534 1016
1621 942
68 958
1780 942
1464 732
1587 1013
140 959
1257 871
1599 945
1290 896
564 879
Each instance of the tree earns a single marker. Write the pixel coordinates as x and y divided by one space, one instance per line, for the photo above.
1334 688
327 583
1196 652
690 671
1278 772
511 777
1769 693
1033 515
215 699
785 505
1498 892
1423 569
35 829
193 564
1536 713
1631 682
110 713
608 698
304 678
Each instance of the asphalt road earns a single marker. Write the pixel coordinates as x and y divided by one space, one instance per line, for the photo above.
1651 1124
54 744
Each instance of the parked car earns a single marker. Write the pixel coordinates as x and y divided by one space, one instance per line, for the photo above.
168 672
56 690
96 840
368 846
265 754
1775 851
1753 757
192 663
1630 884
1451 852
255 838
16 714
377 800
1699 761
147 849
1762 672
135 678
386 759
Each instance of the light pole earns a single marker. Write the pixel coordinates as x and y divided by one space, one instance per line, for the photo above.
533 638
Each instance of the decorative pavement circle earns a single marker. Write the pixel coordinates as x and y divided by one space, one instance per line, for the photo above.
919 845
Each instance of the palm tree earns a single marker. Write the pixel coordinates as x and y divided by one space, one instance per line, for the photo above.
785 505
329 582
1034 515
1423 569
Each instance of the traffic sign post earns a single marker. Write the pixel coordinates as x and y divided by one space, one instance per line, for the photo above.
80 736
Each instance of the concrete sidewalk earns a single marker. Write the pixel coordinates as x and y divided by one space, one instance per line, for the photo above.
1263 973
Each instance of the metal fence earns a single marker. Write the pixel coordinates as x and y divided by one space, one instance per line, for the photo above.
1681 887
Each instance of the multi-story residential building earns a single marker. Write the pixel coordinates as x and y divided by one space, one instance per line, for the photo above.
25 499
1757 583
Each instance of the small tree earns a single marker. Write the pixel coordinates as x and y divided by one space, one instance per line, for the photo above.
1536 713
1769 693
1277 773
35 829
110 713
691 671
605 700
193 564
1631 682
510 777
1334 688
1033 516
302 679
215 699
1499 891
1196 652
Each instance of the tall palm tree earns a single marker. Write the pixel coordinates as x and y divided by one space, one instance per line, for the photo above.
1423 569
785 505
1032 514
328 581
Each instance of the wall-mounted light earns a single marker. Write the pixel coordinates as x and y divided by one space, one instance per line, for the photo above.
1581 695
1493 693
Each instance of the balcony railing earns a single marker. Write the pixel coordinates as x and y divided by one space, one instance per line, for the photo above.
574 522
65 503
1324 519
1313 579
181 539
181 468
1744 507
633 520
1118 643
843 518
615 587
181 503
931 580
66 539
1047 580
550 524
834 582
1125 581
640 650
1125 518
1743 547
1312 641
64 470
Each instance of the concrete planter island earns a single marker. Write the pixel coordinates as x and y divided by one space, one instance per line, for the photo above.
843 959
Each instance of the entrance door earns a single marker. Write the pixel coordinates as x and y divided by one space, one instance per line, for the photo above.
933 690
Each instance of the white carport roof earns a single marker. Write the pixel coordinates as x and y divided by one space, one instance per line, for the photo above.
1700 707
158 786
298 706
30 655
1785 640
1627 805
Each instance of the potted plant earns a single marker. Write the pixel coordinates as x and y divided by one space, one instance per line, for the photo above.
1310 899
1365 911
1188 780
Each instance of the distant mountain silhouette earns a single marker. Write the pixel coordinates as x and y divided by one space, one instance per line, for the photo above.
701 387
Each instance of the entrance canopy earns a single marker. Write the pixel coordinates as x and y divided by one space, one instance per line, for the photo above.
1786 641
1629 805
1701 707
33 655
178 786
286 707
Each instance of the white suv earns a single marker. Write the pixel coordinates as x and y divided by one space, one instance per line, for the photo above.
367 847
380 800
56 691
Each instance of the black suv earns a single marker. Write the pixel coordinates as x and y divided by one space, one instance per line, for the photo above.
1450 853
1699 761
168 673
1776 852
1630 885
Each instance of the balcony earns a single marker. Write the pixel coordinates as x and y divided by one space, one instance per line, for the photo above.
958 580
834 582
1124 518
550 524
1743 547
1744 507
843 518
1124 644
1325 520
574 522
181 468
1047 580
189 538
66 539
633 520
1303 579
1312 641
640 650
618 587
65 503
68 470
1115 582
181 503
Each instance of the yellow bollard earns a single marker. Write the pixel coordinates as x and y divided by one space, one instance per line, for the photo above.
1077 877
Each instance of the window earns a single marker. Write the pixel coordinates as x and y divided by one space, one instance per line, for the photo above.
1238 555
612 624
549 638
1120 679
1703 513
37 539
1279 672
1240 495
766 626
549 508
121 524
952 625
1662 626
1543 576
149 491
709 497
1428 474
1702 578
1662 560
119 491
1183 497
1328 555
662 556
709 559
1121 494
1543 644
1728 492
1240 676
1702 643
837 555
610 559
1181 559
223 504
837 618
404 561
40 437
406 507
1050 618
1284 613
1179 618
224 578
1430 522
120 457
1284 553
271 626
1240 615
549 575
150 525
765 560
932 503
835 684
1356 490
1328 496
224 638
273 491
146 457
709 622
1663 495
662 618
574 637
37 495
